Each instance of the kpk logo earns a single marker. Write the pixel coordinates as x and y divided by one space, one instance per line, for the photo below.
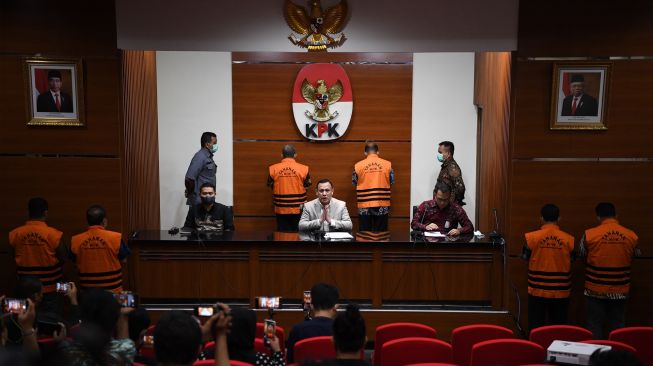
322 101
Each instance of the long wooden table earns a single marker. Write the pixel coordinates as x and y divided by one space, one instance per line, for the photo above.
390 269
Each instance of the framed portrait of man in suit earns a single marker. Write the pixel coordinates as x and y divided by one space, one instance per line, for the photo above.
54 92
579 95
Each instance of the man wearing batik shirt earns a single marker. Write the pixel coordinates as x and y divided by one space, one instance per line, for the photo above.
450 172
440 214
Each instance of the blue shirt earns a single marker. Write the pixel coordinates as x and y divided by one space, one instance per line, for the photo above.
316 327
202 169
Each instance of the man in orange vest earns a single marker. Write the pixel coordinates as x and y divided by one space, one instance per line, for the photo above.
98 253
549 252
38 248
288 180
609 249
373 177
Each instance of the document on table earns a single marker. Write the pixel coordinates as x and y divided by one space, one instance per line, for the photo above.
434 234
338 235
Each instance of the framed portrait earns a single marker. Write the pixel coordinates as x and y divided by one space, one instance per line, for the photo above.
54 92
579 95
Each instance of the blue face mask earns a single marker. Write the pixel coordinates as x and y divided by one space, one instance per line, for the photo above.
440 158
214 148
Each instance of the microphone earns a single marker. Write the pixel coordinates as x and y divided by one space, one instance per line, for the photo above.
494 234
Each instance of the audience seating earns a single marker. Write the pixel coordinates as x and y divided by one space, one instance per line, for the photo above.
507 352
640 338
316 348
392 331
208 346
400 352
614 344
463 338
544 336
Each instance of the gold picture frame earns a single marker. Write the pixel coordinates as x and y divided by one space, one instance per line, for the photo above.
55 92
579 96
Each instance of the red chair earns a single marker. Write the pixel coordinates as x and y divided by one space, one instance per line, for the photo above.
507 352
212 362
463 338
138 364
316 348
208 346
400 352
614 344
392 331
544 336
259 346
640 338
433 364
280 333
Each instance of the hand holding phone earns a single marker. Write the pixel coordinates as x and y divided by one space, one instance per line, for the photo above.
205 311
269 331
15 306
126 299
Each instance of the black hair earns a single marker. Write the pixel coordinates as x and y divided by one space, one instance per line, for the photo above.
349 330
207 184
54 74
288 151
27 287
442 187
95 215
605 209
550 212
177 338
324 296
448 145
371 147
614 357
99 313
139 320
322 181
240 340
206 138
36 207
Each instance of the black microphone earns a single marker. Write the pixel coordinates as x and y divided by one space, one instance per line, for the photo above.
494 234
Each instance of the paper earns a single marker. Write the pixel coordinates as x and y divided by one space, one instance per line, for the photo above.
338 235
434 234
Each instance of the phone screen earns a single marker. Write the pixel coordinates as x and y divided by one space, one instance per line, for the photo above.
306 303
265 302
14 306
62 287
205 311
148 340
269 328
126 299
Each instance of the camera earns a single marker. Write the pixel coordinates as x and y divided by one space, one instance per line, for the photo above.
15 306
126 299
268 302
63 287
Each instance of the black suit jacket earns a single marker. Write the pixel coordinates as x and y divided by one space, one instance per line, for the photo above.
586 106
45 103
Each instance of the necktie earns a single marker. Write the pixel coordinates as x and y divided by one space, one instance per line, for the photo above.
573 107
57 102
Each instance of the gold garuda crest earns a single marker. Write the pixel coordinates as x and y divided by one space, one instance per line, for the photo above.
321 97
315 29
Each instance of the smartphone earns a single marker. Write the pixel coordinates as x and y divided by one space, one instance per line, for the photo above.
148 340
306 302
205 310
269 329
269 302
63 287
126 299
14 306
48 328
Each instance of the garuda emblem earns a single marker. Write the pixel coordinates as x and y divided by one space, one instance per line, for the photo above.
315 29
321 98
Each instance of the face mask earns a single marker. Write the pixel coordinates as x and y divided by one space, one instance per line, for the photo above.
440 157
208 200
214 148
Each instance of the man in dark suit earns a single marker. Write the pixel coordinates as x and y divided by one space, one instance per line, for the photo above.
54 100
577 103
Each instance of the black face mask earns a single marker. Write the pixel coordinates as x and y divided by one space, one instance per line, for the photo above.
208 200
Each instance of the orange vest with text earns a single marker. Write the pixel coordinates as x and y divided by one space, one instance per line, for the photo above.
373 188
97 258
549 267
610 249
288 191
35 245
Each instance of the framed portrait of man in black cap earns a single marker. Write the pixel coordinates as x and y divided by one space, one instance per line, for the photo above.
54 93
578 98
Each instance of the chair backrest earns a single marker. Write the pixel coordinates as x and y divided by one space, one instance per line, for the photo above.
316 348
614 344
392 331
259 346
640 338
544 336
281 334
463 338
507 352
400 352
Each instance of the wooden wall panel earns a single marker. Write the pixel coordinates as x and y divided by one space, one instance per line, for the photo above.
628 111
141 149
334 161
262 97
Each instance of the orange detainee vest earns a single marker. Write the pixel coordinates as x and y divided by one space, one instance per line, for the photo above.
373 188
288 192
97 258
549 268
35 245
610 249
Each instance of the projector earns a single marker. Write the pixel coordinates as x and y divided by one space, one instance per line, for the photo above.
572 353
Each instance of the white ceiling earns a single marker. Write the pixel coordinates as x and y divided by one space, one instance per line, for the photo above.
374 25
